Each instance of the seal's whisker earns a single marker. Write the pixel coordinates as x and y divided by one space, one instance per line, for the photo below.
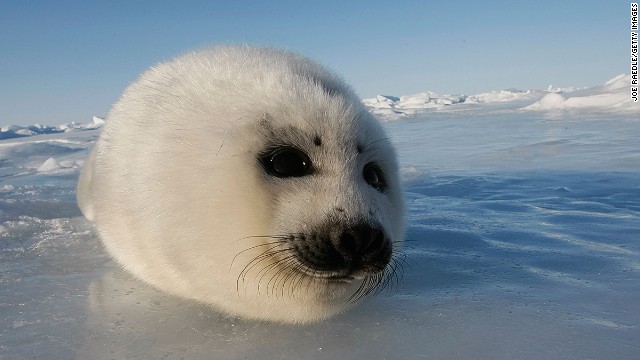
369 283
296 270
285 269
404 260
399 263
390 277
255 261
356 295
282 263
264 271
367 146
282 237
260 258
376 280
280 242
301 276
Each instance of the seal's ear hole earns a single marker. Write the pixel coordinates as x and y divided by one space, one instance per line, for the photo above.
373 175
286 162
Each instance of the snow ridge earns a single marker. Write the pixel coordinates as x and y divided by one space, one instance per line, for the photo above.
16 131
613 96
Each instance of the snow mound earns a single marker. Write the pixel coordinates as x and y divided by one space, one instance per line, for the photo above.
16 131
618 82
612 96
549 101
53 165
394 107
50 165
497 96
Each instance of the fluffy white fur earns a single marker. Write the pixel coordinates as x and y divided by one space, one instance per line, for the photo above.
179 198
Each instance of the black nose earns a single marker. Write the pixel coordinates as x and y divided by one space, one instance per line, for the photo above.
345 248
358 240
363 246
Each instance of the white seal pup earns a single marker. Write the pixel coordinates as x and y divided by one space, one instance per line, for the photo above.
250 179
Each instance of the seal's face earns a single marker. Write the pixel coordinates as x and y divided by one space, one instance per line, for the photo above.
334 247
334 205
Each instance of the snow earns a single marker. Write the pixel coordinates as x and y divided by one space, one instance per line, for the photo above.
522 243
49 165
391 106
612 96
52 165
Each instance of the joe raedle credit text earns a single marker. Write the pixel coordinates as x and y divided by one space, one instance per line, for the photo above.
634 52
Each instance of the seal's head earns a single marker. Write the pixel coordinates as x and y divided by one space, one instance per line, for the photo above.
251 179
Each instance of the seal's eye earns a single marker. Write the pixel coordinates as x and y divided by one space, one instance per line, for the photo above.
373 176
286 162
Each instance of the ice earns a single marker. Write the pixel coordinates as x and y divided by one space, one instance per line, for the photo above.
522 243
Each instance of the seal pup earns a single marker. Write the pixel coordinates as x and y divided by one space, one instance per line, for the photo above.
250 179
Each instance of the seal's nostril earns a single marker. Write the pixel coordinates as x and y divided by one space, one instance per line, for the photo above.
349 244
376 241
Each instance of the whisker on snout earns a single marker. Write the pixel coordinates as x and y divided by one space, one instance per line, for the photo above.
278 269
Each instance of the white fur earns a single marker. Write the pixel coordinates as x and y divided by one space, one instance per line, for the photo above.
180 200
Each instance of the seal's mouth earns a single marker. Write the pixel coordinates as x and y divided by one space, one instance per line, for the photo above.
345 276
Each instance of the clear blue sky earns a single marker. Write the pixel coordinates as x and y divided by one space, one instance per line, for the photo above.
63 61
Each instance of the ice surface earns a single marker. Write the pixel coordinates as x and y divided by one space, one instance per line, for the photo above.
522 244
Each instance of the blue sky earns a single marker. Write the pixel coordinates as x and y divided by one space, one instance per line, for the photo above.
63 61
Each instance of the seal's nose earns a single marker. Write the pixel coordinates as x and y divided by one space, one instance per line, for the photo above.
363 246
345 248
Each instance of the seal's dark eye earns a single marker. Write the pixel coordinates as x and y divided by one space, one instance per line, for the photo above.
286 162
373 176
